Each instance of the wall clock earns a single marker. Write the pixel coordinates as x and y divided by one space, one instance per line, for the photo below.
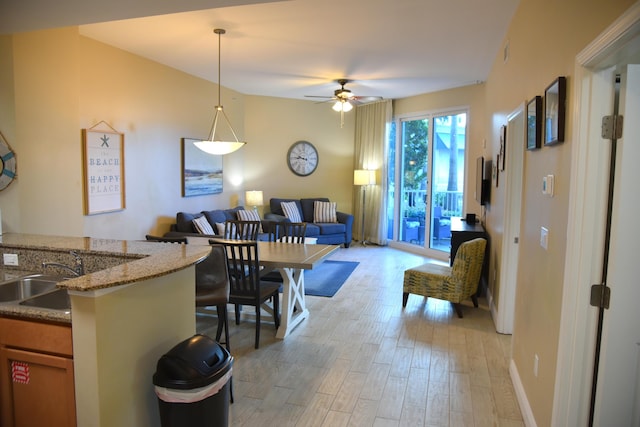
8 163
302 158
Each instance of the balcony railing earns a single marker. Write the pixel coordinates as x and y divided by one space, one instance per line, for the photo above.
415 201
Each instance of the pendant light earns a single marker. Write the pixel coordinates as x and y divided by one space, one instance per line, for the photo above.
218 146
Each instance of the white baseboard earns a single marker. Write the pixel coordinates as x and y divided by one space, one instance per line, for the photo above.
492 308
525 408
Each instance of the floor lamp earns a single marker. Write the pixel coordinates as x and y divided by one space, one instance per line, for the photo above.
364 178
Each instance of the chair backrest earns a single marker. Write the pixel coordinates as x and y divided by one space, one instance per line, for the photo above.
241 230
212 278
151 238
244 268
467 266
289 232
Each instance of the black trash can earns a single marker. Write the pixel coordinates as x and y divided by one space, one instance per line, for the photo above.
192 384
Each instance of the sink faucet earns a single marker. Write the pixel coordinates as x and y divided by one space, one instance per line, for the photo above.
77 269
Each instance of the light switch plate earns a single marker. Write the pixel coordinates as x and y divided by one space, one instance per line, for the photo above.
10 259
544 237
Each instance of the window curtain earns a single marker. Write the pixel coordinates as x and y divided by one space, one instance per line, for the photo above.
371 135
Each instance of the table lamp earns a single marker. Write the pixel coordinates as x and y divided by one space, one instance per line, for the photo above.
254 198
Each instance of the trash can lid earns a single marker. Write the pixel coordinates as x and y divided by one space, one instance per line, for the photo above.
193 363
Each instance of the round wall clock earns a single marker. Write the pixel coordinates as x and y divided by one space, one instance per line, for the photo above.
8 163
302 158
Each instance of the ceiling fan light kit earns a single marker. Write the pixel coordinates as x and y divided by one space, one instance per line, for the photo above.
345 99
213 145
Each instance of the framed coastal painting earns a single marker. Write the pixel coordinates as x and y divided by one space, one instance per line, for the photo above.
554 111
103 171
201 172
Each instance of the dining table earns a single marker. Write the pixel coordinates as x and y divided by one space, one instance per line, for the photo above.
291 260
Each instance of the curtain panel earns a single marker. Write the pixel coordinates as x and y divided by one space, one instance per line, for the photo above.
371 135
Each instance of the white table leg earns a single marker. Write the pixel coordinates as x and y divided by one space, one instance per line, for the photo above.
292 296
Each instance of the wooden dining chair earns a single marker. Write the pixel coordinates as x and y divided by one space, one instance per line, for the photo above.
212 290
246 288
241 230
288 232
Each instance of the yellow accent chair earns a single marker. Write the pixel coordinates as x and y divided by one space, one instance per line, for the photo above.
455 283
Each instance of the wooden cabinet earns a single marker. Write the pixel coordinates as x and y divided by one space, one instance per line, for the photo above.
37 383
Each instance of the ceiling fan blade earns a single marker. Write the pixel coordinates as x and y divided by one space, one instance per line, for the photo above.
316 96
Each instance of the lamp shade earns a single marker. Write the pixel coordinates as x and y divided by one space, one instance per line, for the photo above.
364 177
254 198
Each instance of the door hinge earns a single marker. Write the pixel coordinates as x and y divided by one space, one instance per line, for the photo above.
612 127
600 296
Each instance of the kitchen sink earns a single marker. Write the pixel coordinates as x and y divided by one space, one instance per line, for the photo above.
54 300
27 287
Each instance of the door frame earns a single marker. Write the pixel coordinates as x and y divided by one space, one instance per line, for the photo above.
594 73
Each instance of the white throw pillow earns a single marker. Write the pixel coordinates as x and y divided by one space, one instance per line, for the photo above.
291 211
324 212
202 225
249 216
220 227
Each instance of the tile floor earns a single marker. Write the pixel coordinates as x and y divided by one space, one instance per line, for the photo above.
362 360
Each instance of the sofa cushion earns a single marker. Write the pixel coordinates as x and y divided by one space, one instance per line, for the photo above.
184 222
202 225
324 212
307 207
215 216
291 211
312 230
331 228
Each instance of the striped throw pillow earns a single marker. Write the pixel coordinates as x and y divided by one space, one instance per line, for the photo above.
291 211
202 225
249 216
324 212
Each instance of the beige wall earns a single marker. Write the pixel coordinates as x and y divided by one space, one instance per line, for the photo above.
544 38
65 82
273 125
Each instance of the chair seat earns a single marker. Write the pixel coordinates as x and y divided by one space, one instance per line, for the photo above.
266 291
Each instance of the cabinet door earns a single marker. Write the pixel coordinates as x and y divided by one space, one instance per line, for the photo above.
37 389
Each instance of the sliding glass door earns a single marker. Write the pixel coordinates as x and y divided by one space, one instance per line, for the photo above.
426 177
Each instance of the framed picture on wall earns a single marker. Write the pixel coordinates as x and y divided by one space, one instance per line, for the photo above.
103 170
201 172
534 123
554 111
503 142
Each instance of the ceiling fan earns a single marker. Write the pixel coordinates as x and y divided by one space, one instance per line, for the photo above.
345 99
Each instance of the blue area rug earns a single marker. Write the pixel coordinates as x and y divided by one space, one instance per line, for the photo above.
326 279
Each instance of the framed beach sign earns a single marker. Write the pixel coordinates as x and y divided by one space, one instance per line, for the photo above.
201 172
103 170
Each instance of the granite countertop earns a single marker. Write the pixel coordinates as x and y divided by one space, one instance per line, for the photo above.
142 260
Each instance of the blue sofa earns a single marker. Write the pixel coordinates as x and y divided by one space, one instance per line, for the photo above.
184 223
338 233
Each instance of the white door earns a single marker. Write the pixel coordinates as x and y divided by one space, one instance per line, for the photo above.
502 309
618 383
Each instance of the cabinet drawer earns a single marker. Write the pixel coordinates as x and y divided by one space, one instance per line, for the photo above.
41 337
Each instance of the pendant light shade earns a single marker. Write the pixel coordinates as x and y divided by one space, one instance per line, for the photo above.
219 146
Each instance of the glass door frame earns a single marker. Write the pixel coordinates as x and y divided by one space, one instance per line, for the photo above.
398 171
